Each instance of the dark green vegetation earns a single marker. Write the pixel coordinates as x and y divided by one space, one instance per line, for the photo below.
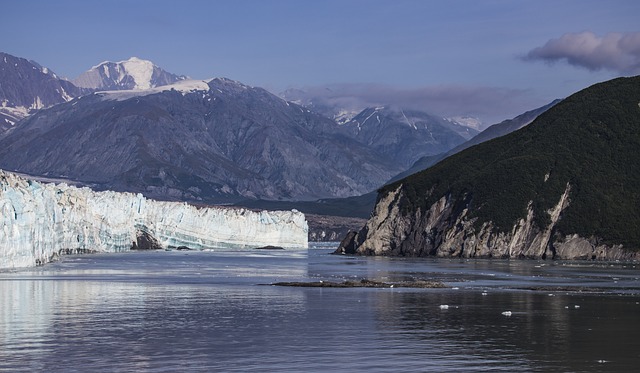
591 141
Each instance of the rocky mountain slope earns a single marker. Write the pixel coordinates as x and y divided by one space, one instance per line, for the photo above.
134 73
406 135
361 206
562 187
25 87
216 142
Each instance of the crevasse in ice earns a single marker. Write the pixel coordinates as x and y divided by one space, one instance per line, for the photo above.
39 220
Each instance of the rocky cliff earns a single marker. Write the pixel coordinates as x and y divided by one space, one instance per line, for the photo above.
39 221
563 187
446 230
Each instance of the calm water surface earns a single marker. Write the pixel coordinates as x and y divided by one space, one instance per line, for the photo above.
211 312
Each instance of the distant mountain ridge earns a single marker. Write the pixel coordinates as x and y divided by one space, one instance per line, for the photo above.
134 73
499 129
406 135
361 206
136 127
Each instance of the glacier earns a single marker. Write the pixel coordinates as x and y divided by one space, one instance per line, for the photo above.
42 220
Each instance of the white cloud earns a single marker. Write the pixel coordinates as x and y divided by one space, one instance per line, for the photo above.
619 52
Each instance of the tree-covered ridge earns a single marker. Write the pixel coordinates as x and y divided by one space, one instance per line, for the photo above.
591 140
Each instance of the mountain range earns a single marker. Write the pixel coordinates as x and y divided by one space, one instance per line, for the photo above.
214 141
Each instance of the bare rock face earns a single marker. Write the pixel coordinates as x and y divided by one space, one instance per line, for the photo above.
145 241
444 232
26 87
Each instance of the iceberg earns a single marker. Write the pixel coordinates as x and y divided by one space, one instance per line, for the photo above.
39 221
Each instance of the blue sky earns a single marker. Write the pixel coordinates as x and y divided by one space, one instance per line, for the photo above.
491 59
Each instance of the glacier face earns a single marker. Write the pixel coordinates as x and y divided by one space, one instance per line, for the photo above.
38 221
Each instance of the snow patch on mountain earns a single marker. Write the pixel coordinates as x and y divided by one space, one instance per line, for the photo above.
13 114
344 115
140 70
470 122
183 86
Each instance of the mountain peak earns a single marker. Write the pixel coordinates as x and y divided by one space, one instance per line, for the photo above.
140 70
132 74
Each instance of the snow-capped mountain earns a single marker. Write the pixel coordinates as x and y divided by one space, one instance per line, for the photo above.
216 141
25 86
135 127
134 73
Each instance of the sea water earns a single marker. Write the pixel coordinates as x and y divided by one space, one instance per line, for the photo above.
215 311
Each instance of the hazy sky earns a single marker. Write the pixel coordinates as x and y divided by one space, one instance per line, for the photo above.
491 59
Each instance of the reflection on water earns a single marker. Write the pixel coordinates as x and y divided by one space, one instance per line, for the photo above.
206 312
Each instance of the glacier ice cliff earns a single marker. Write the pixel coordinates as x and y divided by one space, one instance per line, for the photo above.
39 221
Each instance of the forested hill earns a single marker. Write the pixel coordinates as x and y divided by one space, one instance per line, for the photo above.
563 187
590 141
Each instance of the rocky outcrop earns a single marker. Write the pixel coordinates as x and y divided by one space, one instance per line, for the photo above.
445 230
39 221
